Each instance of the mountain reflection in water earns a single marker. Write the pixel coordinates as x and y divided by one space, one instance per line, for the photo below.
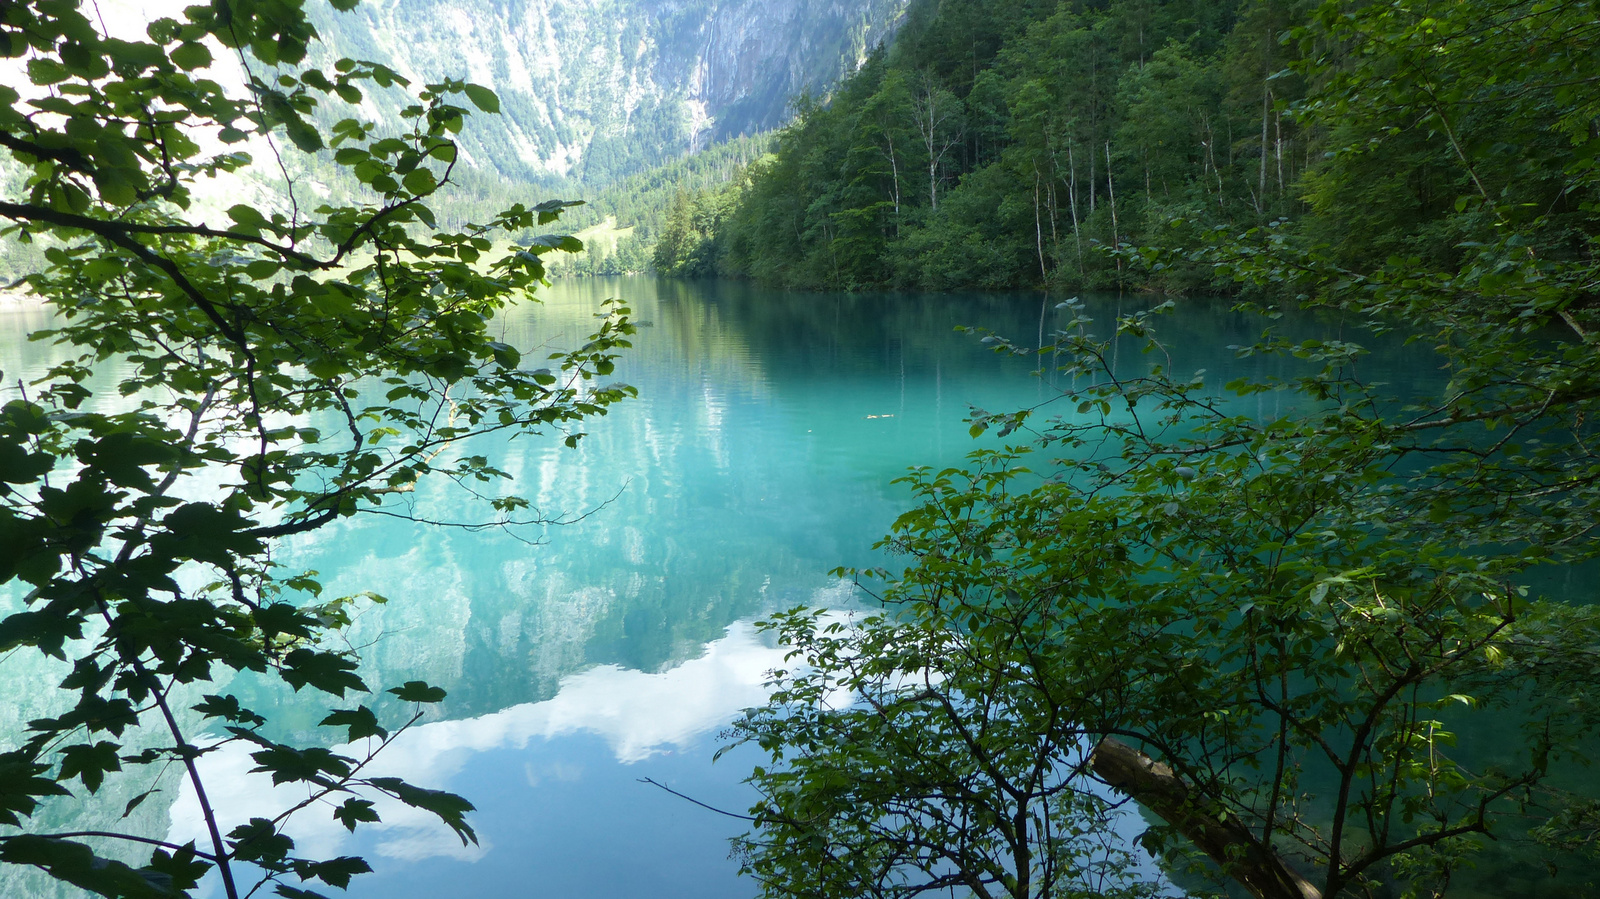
760 454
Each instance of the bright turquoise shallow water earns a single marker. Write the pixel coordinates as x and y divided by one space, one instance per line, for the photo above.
759 455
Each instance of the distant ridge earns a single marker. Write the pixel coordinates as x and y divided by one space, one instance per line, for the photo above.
594 90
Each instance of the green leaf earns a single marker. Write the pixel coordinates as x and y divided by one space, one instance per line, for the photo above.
448 807
360 721
118 186
122 456
303 134
482 97
21 787
563 242
77 864
259 841
228 708
312 765
505 355
47 629
420 182
90 763
137 801
326 671
355 811
46 72
205 533
19 465
334 872
183 865
248 216
190 56
263 269
418 691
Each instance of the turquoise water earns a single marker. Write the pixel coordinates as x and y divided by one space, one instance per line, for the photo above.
581 658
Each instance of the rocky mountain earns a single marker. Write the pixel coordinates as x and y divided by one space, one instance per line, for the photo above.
596 89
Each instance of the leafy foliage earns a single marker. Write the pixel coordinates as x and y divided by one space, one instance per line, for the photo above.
1312 619
1091 126
911 756
653 203
997 145
293 365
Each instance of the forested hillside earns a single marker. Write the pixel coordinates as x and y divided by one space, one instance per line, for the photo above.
1304 617
620 223
1004 144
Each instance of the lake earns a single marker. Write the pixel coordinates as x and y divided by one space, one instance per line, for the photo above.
584 657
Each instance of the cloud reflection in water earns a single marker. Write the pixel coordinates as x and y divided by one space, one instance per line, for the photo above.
636 713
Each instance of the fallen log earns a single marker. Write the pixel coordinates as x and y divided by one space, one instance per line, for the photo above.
1217 833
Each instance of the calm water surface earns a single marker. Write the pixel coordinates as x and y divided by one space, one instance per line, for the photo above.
583 658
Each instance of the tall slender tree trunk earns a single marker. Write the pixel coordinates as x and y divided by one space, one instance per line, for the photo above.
894 169
1111 197
1094 121
1038 227
1053 204
1277 127
1072 202
1261 179
933 158
933 126
1211 157
1093 178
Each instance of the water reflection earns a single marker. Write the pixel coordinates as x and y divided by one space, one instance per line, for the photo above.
636 714
759 456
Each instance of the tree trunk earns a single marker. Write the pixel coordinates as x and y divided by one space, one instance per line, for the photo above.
1277 131
1216 832
1111 197
894 170
1210 144
1266 107
1053 204
1038 229
1072 201
1093 177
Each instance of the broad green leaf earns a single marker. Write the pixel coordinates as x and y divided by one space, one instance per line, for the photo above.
418 691
190 56
482 97
360 721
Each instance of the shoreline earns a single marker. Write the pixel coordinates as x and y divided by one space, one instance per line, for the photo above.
20 301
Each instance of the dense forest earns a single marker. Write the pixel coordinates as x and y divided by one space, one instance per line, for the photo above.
1314 644
1011 144
623 221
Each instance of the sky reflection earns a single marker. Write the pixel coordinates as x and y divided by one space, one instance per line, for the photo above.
530 754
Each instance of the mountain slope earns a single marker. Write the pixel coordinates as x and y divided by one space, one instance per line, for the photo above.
597 89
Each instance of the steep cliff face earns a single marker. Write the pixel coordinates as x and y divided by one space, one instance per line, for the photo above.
594 89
